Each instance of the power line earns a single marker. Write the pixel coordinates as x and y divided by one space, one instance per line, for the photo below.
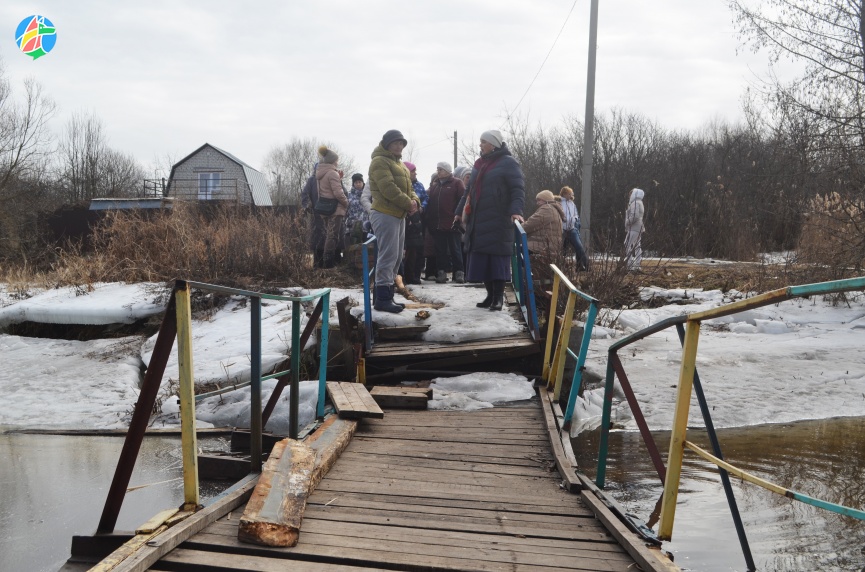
546 58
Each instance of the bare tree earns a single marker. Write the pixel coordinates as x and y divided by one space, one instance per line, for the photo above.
24 148
289 165
828 38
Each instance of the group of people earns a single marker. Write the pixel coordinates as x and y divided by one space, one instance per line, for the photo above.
468 211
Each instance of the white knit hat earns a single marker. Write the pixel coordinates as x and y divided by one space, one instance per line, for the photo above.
493 137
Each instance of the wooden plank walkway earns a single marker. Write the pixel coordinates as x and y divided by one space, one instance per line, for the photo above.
430 490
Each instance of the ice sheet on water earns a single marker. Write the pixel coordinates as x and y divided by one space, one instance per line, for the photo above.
68 384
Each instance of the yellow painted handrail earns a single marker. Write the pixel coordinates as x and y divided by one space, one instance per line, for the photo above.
186 393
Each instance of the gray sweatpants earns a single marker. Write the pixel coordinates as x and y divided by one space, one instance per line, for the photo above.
390 235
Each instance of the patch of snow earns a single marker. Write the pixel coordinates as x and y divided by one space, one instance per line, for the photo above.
106 303
479 390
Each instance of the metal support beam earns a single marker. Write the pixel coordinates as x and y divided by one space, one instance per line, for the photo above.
140 418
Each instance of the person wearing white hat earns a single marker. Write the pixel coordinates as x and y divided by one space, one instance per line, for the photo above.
493 201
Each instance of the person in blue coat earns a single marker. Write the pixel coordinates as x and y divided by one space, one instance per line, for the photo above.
493 200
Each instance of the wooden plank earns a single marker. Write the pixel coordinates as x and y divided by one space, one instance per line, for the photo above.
443 492
324 496
337 397
398 450
275 511
367 400
595 533
163 543
566 470
401 397
351 403
415 535
158 520
649 558
441 476
410 447
445 473
229 561
400 332
375 461
420 510
586 529
393 560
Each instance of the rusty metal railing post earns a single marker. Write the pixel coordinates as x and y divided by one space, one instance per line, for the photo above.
255 419
140 418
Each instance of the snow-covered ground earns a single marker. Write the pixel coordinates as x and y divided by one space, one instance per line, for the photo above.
801 359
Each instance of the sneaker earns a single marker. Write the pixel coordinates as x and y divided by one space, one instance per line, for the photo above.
460 277
441 277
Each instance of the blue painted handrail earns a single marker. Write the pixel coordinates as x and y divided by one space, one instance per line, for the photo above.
521 277
368 271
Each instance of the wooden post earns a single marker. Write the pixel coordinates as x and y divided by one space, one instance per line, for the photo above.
680 430
562 346
551 326
187 400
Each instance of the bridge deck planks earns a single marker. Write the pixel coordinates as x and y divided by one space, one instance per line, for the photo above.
453 502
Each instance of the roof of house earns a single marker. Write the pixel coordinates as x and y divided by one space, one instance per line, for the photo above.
255 179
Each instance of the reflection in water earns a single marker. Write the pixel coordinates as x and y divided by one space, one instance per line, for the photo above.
823 459
53 487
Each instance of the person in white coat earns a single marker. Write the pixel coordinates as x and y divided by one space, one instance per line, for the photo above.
634 229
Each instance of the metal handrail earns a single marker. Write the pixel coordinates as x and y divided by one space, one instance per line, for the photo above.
553 370
688 327
367 305
521 279
177 323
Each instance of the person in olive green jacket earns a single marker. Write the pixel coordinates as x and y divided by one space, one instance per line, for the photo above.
392 199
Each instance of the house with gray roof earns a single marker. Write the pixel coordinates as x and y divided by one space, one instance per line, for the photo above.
211 174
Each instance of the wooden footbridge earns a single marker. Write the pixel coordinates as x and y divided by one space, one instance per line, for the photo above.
377 482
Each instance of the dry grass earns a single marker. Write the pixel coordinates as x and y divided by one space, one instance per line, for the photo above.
231 246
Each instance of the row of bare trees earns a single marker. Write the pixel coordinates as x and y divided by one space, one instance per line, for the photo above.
40 172
733 190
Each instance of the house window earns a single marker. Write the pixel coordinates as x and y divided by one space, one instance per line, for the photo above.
208 184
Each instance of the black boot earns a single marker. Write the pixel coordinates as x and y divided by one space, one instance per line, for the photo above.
401 305
489 299
498 295
384 300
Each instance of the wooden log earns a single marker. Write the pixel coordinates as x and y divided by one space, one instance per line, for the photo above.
274 512
402 397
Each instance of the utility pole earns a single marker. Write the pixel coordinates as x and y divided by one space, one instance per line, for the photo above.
455 149
589 133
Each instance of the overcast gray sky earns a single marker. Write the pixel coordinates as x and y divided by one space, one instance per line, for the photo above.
166 77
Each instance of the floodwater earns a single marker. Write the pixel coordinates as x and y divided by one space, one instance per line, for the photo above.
53 487
822 459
